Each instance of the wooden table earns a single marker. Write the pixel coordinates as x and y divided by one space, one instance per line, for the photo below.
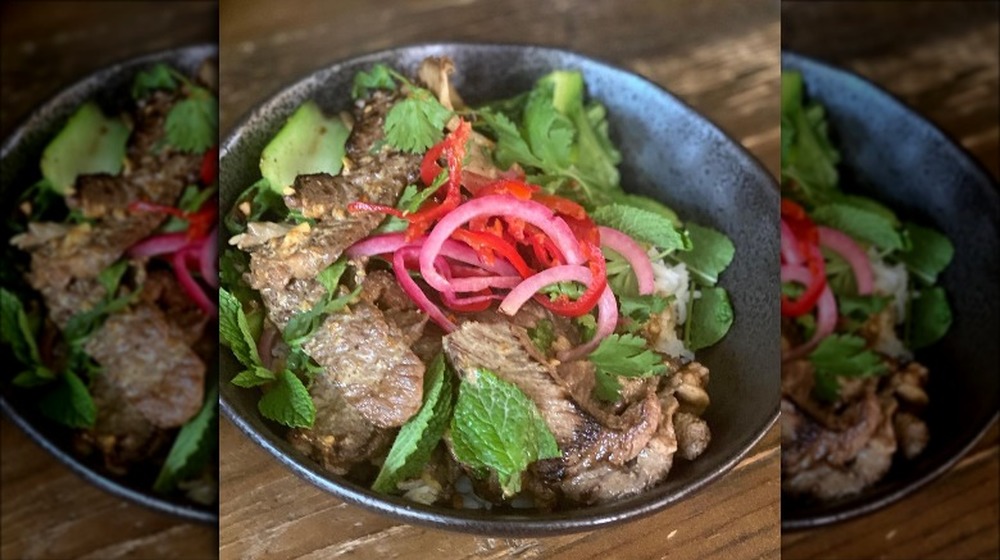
719 56
47 511
941 59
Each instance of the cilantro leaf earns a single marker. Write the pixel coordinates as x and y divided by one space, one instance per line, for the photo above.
607 386
627 355
930 317
416 123
929 253
234 331
69 402
420 435
379 77
496 427
193 441
643 225
621 277
842 355
145 82
857 309
862 225
511 147
15 330
192 125
542 335
710 318
711 253
640 308
287 402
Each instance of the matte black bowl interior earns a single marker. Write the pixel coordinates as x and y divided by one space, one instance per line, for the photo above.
897 157
19 161
670 153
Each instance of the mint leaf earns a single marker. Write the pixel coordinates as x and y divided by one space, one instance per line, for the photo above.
15 329
69 402
930 317
646 203
34 377
412 447
865 226
709 319
495 426
234 331
253 377
710 254
288 402
644 226
929 253
379 77
192 125
195 435
145 82
416 123
844 356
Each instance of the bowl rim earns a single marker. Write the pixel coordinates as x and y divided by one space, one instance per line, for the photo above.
105 482
458 519
958 152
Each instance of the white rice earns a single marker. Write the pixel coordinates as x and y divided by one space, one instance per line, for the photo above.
674 282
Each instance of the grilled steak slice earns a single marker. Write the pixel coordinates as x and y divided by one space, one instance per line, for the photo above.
146 357
341 437
381 289
121 433
161 289
498 348
371 362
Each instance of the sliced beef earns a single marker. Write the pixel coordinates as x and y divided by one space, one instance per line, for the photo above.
381 289
378 177
601 481
341 437
813 459
146 357
370 360
121 433
283 303
499 348
161 289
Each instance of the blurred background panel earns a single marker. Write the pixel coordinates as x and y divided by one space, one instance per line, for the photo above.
943 60
719 56
47 511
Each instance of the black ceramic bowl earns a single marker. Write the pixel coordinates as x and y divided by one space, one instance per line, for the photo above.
670 153
19 160
897 157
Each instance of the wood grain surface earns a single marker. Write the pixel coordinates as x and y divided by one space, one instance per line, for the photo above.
940 58
47 511
719 56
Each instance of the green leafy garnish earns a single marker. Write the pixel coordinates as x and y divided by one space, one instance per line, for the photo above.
930 317
417 122
640 308
709 318
192 125
710 254
623 355
234 331
159 76
543 334
841 355
496 427
415 441
865 226
808 158
929 253
643 225
69 402
16 331
192 446
287 402
379 77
